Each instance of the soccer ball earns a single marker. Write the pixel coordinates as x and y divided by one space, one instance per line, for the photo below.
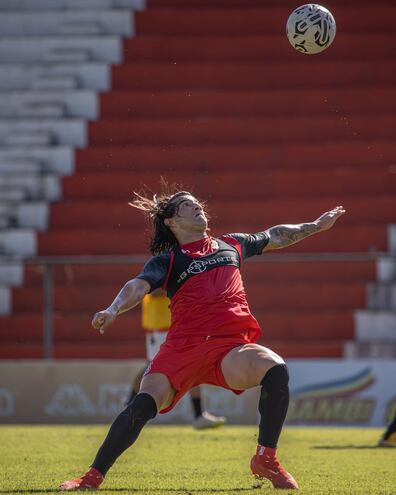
311 28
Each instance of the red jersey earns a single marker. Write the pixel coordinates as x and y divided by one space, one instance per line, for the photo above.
204 283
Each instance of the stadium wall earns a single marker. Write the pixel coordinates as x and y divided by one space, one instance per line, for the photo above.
324 392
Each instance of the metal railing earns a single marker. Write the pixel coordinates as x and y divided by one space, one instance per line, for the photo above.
48 264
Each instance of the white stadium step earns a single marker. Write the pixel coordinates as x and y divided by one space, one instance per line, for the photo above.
7 215
61 49
381 296
16 77
20 167
31 214
392 238
369 350
46 132
80 22
12 194
35 186
83 103
18 5
59 159
11 274
386 269
18 242
375 326
5 301
28 138
34 215
5 222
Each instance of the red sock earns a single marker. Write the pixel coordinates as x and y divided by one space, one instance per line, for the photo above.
265 451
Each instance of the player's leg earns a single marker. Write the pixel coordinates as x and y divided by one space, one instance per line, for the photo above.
155 393
248 366
203 419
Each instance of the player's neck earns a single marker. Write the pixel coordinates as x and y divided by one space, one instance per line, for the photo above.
188 237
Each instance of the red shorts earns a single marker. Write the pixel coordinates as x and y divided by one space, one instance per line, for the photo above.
191 361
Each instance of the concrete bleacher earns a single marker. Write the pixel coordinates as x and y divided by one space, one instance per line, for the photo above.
54 57
210 94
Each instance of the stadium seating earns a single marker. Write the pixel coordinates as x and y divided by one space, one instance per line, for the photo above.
99 100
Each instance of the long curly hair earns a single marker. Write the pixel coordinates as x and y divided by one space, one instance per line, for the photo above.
157 209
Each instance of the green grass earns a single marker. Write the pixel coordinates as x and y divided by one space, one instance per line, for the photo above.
179 460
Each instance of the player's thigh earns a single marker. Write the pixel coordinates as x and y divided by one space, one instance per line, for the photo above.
245 366
159 387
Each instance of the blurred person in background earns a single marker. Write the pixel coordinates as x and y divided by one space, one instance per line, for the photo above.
389 437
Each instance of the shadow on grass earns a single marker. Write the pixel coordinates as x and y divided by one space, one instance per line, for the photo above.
145 490
346 447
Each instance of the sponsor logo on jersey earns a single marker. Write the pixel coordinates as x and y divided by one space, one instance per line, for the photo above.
200 266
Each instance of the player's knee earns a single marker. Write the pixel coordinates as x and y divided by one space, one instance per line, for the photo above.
142 407
266 360
158 386
276 377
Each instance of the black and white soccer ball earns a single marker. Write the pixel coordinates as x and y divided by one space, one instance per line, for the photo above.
311 28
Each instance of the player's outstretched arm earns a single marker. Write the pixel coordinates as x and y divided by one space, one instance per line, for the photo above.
281 236
129 296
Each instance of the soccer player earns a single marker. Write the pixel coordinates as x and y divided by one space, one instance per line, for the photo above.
156 320
213 334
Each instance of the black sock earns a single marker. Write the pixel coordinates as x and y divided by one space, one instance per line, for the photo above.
273 404
196 402
124 431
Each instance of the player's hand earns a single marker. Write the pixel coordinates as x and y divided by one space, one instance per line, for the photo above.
103 319
328 219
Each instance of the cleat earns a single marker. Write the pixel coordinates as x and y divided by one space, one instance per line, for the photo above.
207 420
268 467
91 480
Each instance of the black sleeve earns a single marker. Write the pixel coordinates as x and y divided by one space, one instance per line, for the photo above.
155 271
251 244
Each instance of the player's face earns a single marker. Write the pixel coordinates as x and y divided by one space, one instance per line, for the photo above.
190 214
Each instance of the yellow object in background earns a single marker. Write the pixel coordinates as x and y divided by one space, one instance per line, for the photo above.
155 312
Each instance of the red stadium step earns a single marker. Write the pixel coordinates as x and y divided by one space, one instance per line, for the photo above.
230 130
18 350
287 349
100 242
211 94
262 295
253 272
255 21
292 325
239 185
100 351
306 74
227 214
73 327
352 154
332 272
241 4
131 104
76 327
295 349
249 48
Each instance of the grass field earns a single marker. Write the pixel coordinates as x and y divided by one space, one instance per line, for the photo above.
179 460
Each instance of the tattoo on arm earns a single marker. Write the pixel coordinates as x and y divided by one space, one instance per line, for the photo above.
281 236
